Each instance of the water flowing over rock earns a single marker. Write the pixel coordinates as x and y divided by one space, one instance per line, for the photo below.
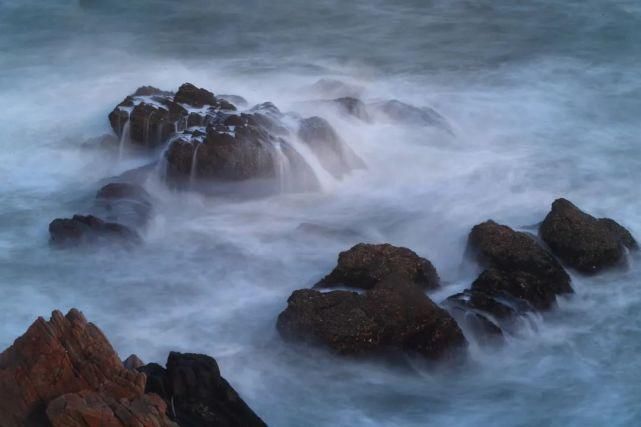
519 275
583 241
64 372
335 156
208 140
196 394
366 265
393 316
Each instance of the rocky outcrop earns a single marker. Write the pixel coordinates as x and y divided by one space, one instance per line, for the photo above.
365 265
123 203
208 139
353 107
196 394
519 276
64 372
582 241
89 229
393 316
335 156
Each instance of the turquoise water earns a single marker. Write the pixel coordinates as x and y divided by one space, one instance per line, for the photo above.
543 99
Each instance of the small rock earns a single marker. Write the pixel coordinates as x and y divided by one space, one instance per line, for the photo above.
583 241
88 229
133 362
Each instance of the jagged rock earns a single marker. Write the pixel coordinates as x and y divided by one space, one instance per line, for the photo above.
335 156
133 362
366 265
88 409
60 370
88 229
583 241
395 315
196 393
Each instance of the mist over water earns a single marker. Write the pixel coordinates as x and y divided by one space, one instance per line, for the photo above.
543 100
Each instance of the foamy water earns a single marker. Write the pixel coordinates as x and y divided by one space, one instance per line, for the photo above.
543 101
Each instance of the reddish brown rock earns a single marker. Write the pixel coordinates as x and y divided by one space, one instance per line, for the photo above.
66 355
365 265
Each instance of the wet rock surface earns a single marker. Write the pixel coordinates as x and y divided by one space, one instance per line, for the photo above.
88 229
520 276
393 316
582 241
64 372
196 394
365 265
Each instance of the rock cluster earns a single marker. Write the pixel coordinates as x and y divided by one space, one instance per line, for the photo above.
393 314
64 373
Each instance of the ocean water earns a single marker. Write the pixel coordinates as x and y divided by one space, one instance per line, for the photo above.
543 99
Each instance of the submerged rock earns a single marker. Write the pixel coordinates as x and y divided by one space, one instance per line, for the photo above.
196 394
366 265
88 229
332 88
353 106
393 316
402 113
583 241
64 372
124 203
335 156
519 276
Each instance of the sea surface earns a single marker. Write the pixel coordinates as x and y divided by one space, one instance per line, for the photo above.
543 99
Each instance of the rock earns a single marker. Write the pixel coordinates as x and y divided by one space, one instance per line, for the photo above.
61 370
199 97
353 106
236 100
582 241
133 362
402 113
519 275
393 316
366 265
334 155
197 394
123 203
88 408
88 229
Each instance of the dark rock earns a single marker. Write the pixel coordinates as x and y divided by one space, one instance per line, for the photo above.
335 156
583 241
499 247
88 229
520 276
196 393
133 362
151 125
365 265
198 97
64 371
393 316
150 91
